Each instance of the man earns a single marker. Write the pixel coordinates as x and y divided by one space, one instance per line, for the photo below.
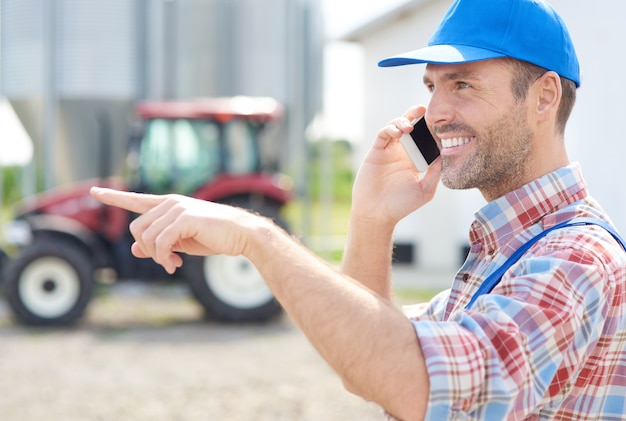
548 342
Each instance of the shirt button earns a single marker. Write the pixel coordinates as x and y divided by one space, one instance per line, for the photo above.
466 277
491 252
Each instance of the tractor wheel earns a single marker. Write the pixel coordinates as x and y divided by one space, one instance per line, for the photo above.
230 288
49 283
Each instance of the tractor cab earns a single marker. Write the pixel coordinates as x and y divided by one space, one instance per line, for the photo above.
184 145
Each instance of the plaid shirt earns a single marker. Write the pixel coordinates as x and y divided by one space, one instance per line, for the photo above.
549 342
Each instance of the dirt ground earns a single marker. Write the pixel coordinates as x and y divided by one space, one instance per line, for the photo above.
145 353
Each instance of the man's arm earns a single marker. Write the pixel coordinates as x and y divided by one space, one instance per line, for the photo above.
363 337
387 188
367 256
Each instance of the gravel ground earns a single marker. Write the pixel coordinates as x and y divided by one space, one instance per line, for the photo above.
144 353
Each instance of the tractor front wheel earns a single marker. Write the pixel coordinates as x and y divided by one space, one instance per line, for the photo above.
49 283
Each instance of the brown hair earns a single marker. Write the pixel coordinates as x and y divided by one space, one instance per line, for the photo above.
526 73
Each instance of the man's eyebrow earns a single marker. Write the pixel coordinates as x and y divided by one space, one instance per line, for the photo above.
461 75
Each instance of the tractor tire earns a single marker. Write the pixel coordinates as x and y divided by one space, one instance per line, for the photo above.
230 288
49 283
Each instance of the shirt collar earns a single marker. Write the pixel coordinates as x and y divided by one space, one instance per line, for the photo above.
527 205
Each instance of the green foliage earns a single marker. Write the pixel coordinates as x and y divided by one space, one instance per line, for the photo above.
340 152
406 295
11 182
321 223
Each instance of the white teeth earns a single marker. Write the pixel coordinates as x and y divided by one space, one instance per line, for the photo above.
454 141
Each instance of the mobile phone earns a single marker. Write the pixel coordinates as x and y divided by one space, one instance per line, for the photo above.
420 145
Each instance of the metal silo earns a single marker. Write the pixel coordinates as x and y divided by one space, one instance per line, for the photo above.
72 69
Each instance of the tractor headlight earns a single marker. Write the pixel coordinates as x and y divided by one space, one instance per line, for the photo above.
18 233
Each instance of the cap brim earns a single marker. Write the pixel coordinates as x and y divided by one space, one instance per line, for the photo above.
441 54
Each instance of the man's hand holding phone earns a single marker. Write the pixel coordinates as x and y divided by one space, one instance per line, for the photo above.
420 145
388 187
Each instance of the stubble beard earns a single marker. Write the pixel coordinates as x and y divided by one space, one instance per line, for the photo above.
499 161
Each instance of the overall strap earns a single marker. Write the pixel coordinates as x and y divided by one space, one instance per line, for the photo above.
493 279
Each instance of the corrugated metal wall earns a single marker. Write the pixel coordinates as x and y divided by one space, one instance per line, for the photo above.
22 47
96 48
93 47
72 67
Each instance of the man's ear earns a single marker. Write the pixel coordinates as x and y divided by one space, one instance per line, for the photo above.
548 91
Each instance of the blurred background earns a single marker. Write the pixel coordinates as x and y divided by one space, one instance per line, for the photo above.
88 91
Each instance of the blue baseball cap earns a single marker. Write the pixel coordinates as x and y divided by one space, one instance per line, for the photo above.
473 30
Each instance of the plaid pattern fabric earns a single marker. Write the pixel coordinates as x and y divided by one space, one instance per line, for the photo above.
549 342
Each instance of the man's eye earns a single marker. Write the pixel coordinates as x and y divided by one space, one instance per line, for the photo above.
430 88
463 85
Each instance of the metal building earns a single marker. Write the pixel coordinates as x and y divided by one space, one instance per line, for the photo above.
72 69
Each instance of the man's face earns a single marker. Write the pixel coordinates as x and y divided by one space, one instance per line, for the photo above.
483 131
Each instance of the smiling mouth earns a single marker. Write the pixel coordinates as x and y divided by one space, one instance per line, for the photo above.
454 141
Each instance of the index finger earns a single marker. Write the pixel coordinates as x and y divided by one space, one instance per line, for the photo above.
414 113
134 202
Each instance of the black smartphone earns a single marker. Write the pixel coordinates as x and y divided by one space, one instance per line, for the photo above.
420 145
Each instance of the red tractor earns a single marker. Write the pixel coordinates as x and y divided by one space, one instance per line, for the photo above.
209 149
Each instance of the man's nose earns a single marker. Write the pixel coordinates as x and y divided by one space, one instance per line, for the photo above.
440 109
